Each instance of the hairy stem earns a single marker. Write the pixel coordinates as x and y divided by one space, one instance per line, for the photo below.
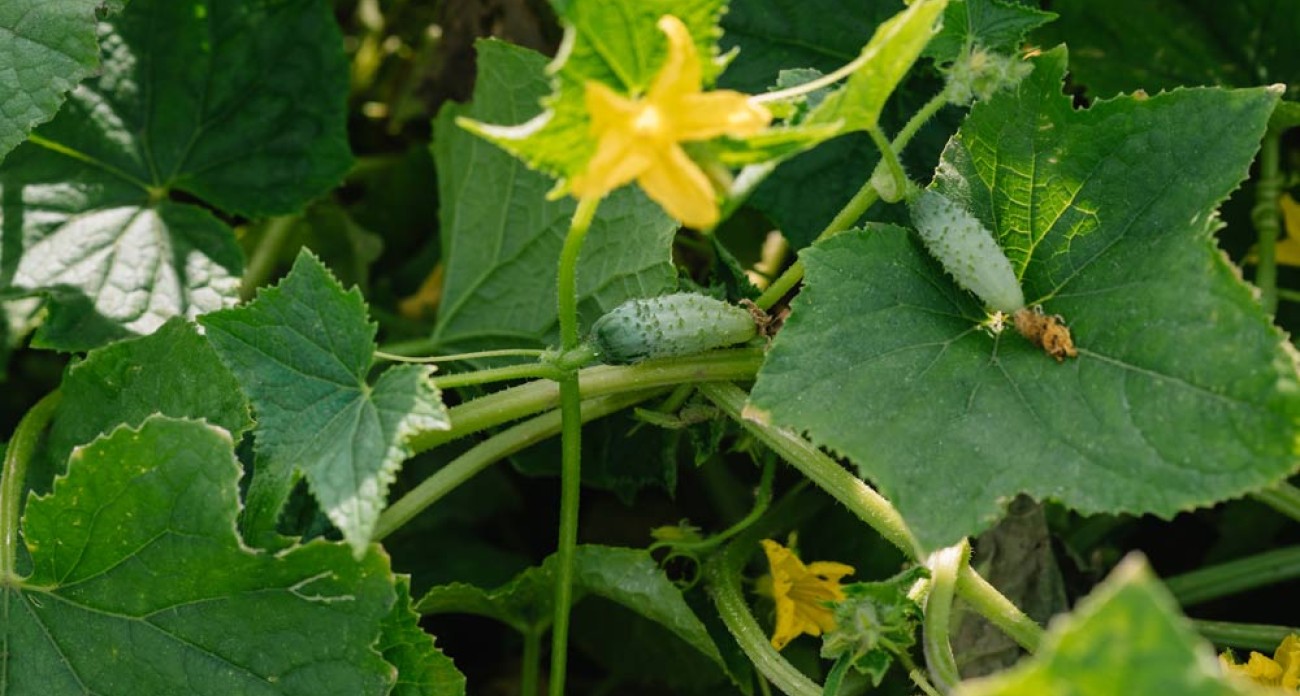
19 452
945 566
570 440
532 398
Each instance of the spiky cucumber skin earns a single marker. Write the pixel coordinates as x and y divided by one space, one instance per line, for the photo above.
679 324
967 250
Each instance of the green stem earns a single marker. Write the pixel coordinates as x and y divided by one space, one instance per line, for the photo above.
1288 295
570 440
888 162
498 374
945 567
1265 217
1205 584
987 601
530 671
490 451
722 576
873 509
460 357
1283 498
261 264
823 471
528 399
19 452
1262 637
854 209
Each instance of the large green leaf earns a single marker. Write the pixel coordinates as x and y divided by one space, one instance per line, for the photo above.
501 237
422 669
46 48
1183 393
140 584
173 372
1182 42
626 576
241 104
301 351
1127 637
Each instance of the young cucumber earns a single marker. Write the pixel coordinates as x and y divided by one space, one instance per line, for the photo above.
967 250
677 324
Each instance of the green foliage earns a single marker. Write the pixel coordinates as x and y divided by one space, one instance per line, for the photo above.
886 60
1197 42
1127 637
185 481
1099 237
625 576
139 584
47 47
501 243
173 372
422 669
301 352
875 622
91 213
991 24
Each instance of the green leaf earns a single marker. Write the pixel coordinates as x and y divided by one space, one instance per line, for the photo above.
616 42
776 35
1182 42
140 584
301 351
886 59
626 576
998 25
422 669
501 237
1127 637
46 48
1182 387
241 104
174 372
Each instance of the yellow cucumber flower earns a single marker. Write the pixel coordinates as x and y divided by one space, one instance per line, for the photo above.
801 593
1282 670
640 138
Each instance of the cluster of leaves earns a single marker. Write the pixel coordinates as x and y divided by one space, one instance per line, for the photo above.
201 503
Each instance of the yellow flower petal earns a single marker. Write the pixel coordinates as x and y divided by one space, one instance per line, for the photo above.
618 160
708 115
681 71
1287 658
639 139
681 187
802 593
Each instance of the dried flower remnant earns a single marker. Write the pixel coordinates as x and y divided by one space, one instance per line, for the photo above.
1048 332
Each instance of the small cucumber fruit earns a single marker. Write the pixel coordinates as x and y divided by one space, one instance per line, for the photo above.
668 325
967 250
